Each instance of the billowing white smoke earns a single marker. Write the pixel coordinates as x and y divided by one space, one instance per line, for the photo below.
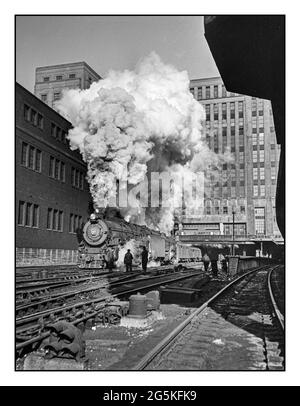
135 122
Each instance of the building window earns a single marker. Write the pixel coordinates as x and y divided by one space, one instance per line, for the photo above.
57 169
26 112
54 219
208 210
44 97
216 112
207 112
262 190
259 213
72 76
59 77
64 136
49 219
224 111
255 173
56 96
31 157
261 156
28 214
40 121
77 178
35 217
21 213
232 110
241 109
217 210
75 223
225 210
216 92
207 92
254 154
255 190
261 137
60 220
223 91
242 209
198 93
33 117
46 79
58 133
24 154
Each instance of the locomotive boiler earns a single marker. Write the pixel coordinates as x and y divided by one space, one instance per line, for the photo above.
106 239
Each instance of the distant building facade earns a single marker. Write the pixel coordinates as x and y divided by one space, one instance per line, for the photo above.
244 127
51 80
52 194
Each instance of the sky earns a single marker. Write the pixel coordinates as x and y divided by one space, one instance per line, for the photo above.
111 42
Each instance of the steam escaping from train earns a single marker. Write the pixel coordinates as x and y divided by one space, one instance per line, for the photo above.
134 123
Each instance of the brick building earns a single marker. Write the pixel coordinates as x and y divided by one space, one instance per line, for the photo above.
52 195
51 80
242 125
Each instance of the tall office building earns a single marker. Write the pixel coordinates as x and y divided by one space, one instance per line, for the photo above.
242 126
51 80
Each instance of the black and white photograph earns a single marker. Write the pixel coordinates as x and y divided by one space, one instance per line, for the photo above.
150 193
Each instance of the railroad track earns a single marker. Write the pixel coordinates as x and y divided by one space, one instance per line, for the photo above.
237 329
30 328
25 292
33 290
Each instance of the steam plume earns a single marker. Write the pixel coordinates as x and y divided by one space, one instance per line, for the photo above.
133 123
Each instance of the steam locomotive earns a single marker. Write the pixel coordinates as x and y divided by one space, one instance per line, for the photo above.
105 240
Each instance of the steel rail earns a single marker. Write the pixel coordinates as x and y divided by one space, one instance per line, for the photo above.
279 316
41 337
59 309
148 358
60 296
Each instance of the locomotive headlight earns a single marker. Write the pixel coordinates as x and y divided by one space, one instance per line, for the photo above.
93 216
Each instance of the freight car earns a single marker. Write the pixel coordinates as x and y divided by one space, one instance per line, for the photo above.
106 240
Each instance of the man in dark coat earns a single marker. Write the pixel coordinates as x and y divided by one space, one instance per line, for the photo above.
206 261
128 261
214 264
144 259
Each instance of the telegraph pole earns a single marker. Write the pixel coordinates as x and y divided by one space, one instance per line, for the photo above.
233 214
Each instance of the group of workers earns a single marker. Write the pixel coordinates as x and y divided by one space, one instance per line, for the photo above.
207 260
213 260
129 257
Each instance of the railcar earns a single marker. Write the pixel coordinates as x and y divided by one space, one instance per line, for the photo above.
105 240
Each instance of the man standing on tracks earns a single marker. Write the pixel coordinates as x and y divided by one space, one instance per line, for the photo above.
128 261
214 264
144 259
206 261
